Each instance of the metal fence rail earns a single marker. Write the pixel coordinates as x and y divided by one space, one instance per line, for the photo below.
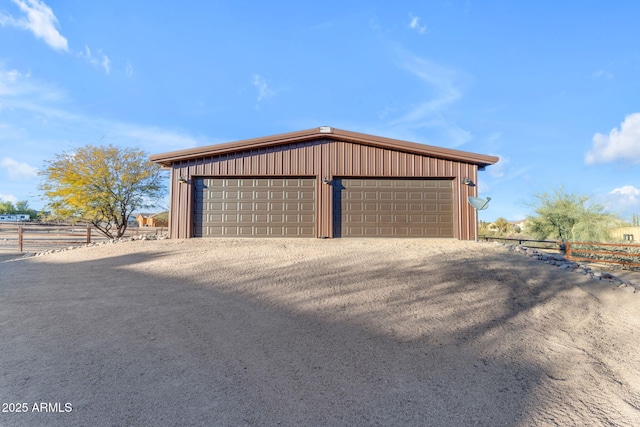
540 244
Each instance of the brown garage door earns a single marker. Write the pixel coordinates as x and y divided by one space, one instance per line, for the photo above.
393 207
256 207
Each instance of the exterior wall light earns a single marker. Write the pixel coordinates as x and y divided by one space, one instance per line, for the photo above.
182 180
467 181
325 180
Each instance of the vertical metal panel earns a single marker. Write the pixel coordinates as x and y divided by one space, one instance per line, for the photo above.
323 158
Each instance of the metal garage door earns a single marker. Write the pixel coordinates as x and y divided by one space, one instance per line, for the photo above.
393 207
257 207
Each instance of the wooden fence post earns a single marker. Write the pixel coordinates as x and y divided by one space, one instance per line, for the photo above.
20 238
88 234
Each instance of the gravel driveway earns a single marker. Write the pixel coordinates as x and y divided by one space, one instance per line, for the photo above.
308 332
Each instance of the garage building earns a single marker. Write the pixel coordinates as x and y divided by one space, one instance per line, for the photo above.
322 182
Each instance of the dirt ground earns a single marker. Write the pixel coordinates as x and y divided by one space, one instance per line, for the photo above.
309 332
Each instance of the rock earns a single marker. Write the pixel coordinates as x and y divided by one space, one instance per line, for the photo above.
562 263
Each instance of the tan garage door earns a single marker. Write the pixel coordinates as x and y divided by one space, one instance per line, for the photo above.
393 207
256 207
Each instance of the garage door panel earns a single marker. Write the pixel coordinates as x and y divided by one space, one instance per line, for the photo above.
400 218
254 207
393 207
307 195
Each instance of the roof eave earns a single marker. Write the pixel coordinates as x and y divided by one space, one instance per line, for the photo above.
166 159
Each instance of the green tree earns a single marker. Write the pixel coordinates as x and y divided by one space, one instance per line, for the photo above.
6 207
102 186
501 225
570 217
21 207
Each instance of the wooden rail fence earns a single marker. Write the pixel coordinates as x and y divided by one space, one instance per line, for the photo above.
42 237
627 255
64 236
624 254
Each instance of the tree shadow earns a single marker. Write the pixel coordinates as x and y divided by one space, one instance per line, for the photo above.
274 337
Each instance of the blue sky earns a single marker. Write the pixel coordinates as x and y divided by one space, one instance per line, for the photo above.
552 88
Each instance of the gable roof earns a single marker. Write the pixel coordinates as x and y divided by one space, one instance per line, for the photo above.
324 132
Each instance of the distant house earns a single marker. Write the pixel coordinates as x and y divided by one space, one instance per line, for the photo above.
153 220
15 217
625 234
522 224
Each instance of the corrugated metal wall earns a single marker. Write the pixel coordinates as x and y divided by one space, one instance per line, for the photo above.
322 158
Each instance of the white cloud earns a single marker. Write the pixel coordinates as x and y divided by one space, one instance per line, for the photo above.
129 69
40 20
153 139
602 74
9 198
622 144
415 24
33 102
443 88
9 82
441 80
498 170
494 136
263 88
18 170
625 197
106 64
98 60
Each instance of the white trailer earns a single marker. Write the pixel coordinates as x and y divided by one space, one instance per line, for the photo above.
15 217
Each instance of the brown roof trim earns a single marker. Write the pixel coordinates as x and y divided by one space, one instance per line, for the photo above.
166 159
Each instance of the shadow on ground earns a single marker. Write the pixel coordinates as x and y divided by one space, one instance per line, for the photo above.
257 335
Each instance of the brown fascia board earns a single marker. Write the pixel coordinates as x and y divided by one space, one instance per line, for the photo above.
166 159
